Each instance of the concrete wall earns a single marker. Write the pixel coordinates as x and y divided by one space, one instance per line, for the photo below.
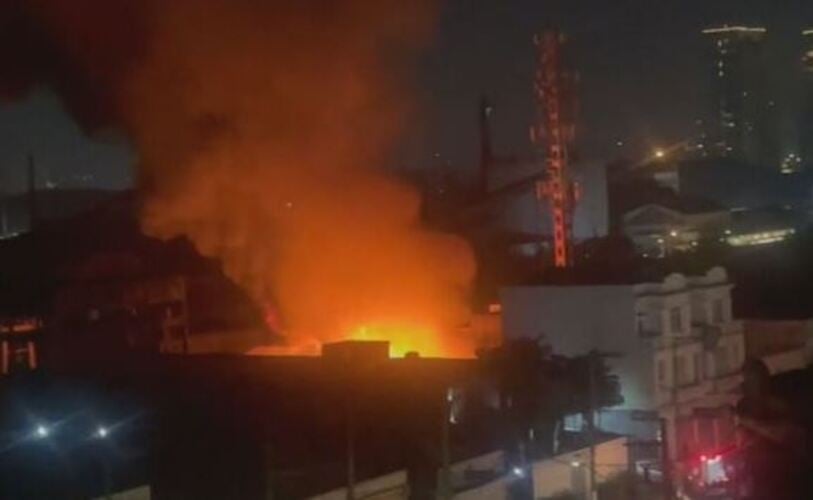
460 472
389 487
570 472
494 490
576 319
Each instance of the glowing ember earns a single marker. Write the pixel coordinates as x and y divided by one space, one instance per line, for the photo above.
402 337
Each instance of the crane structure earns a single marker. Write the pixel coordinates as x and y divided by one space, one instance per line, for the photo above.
554 136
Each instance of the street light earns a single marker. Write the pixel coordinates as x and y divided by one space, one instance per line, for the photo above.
101 432
41 431
659 153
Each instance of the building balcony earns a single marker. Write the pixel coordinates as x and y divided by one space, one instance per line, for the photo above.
727 382
683 393
733 327
675 341
691 392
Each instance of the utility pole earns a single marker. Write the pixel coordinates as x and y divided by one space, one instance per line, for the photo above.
592 491
486 152
351 452
445 486
593 359
33 207
666 465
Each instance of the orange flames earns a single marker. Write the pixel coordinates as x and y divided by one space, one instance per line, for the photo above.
261 127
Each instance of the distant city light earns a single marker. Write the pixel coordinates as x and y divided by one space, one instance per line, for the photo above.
659 153
102 432
761 238
791 163
733 29
673 233
41 431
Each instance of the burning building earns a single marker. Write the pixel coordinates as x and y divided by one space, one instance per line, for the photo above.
260 130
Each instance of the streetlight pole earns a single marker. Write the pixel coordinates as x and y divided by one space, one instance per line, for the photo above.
666 465
108 480
591 429
445 487
351 452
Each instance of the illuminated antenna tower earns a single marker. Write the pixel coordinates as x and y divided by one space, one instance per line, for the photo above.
554 135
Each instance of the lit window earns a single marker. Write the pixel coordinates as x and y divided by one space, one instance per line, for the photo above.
574 422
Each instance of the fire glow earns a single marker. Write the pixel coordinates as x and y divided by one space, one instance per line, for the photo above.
406 339
403 340
261 130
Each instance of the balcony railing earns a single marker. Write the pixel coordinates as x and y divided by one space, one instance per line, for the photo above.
684 393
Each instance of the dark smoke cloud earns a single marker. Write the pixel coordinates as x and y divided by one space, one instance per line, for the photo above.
259 127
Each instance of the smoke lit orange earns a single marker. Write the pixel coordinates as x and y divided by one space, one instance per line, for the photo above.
261 129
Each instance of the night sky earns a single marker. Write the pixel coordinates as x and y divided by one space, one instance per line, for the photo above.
642 64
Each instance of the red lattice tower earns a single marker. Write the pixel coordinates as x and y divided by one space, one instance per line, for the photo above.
554 134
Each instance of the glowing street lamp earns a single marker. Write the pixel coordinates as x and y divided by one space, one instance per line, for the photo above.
41 432
659 153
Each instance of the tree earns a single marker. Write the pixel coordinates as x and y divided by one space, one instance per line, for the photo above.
538 389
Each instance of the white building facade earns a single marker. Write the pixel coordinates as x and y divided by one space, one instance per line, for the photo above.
674 345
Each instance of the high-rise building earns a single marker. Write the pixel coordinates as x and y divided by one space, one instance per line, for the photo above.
740 126
806 119
807 57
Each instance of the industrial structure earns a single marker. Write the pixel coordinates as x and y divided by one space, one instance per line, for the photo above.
554 135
